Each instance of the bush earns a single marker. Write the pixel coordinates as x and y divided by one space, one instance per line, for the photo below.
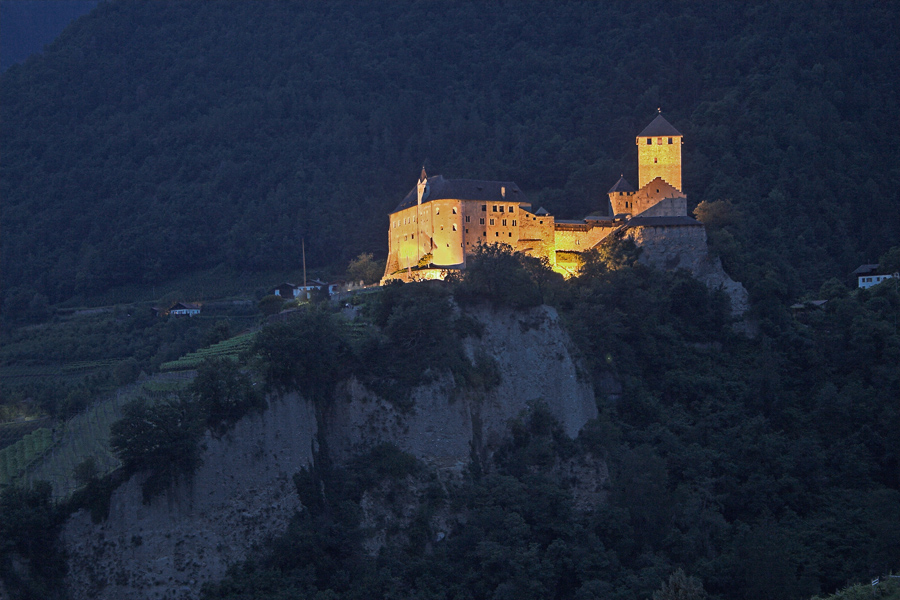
496 274
309 354
162 439
224 393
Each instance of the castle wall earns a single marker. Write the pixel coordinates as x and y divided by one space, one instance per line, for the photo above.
537 237
659 157
621 202
447 232
667 207
651 194
578 237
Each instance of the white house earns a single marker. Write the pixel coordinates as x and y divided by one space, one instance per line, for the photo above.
868 275
185 308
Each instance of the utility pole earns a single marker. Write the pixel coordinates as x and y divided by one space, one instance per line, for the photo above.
303 248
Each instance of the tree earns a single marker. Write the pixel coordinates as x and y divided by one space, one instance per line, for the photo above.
613 255
162 439
224 393
890 261
29 535
495 273
680 587
363 268
307 354
271 305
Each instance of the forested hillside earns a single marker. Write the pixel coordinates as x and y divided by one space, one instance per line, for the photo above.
154 139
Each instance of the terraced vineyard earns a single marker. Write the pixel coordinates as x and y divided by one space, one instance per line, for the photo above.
34 373
16 458
230 348
87 436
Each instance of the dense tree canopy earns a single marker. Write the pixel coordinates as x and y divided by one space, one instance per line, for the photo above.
153 139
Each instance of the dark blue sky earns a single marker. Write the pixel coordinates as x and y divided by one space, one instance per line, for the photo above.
26 26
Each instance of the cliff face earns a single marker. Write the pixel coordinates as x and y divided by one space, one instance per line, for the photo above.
671 248
244 491
444 427
241 494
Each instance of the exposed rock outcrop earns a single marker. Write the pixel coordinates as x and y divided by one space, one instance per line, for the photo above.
685 247
444 427
244 493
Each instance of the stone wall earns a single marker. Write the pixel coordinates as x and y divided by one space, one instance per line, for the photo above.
581 237
668 207
684 247
242 494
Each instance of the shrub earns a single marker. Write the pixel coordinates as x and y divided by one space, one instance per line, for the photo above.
224 393
162 439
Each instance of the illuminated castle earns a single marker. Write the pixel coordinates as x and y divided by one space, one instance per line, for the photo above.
441 222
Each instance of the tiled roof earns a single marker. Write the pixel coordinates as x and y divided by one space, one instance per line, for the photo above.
622 185
662 222
865 269
464 189
659 127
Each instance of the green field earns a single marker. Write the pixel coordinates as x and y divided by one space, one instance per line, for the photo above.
86 436
230 348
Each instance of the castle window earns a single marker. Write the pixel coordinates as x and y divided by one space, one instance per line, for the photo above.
437 210
514 222
649 141
467 230
504 222
494 207
442 227
540 222
659 141
484 208
510 234
454 227
496 234
492 221
412 236
454 210
655 160
510 209
467 218
501 209
481 221
484 233
670 140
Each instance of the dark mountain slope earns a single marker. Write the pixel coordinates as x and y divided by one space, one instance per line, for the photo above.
157 138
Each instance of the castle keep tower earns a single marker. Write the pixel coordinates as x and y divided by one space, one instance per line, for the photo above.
659 153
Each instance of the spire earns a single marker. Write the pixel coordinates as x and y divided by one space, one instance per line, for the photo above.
659 127
621 185
422 186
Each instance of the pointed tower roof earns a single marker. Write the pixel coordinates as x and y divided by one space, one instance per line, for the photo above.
622 185
423 176
659 127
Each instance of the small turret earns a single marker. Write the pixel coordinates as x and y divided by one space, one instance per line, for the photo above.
422 186
620 197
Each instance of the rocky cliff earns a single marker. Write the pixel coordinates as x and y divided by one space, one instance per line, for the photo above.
241 494
685 247
244 492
